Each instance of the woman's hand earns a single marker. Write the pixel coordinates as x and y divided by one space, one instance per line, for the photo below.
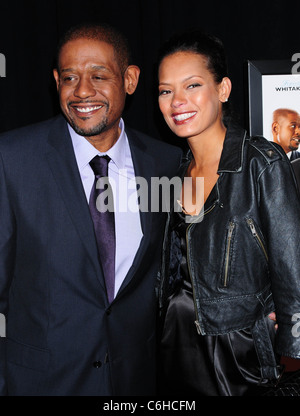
272 316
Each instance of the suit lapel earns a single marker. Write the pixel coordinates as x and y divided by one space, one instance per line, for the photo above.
144 166
63 165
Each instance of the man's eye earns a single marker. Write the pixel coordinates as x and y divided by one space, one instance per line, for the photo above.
68 78
191 86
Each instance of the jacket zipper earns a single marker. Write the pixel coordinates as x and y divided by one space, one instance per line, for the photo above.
162 282
257 237
197 321
229 239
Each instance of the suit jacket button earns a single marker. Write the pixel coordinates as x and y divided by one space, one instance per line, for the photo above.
97 364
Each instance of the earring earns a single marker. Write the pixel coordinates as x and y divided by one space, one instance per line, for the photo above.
226 100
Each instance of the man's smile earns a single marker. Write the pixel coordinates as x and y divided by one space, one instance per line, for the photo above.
86 110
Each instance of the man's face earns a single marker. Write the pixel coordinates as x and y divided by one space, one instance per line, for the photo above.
91 88
288 132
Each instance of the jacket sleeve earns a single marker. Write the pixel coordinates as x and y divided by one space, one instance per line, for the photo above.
280 214
7 249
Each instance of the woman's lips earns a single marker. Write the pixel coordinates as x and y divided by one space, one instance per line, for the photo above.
182 118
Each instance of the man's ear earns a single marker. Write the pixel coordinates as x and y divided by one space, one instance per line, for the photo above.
275 127
56 76
131 78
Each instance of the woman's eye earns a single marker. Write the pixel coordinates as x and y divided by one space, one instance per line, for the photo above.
164 92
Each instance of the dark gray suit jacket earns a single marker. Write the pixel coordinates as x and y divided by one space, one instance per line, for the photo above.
294 155
296 168
62 336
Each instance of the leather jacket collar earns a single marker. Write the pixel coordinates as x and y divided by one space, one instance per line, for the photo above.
233 149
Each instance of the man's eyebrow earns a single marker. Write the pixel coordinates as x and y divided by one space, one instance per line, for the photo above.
67 70
99 68
94 68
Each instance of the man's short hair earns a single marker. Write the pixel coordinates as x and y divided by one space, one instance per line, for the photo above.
282 112
101 32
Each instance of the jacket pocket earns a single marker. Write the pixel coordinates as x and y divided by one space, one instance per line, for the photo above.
227 265
27 356
257 235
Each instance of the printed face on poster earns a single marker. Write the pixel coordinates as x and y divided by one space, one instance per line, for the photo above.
273 90
279 92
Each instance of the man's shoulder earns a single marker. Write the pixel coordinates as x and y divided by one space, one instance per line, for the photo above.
296 164
152 145
32 131
295 155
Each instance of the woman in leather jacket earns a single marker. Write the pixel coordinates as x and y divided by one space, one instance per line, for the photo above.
232 242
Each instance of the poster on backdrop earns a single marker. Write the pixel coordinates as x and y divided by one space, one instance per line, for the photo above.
279 92
272 86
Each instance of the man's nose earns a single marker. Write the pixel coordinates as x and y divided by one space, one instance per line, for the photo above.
84 89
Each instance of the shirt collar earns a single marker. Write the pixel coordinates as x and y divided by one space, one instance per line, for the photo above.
85 151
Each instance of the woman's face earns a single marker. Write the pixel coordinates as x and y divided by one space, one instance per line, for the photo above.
189 98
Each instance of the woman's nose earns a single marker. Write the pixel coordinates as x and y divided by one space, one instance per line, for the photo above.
178 99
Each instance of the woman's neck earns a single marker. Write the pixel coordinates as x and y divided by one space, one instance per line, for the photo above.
207 147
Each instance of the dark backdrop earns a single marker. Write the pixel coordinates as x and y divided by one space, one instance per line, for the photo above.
29 31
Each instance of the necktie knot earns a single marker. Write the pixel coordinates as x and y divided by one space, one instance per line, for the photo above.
99 164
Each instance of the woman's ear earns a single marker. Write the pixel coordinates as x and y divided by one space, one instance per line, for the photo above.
225 89
131 78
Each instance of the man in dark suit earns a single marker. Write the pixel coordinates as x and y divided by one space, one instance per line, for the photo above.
64 335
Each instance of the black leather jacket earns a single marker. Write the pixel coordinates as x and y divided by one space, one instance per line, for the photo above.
244 250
